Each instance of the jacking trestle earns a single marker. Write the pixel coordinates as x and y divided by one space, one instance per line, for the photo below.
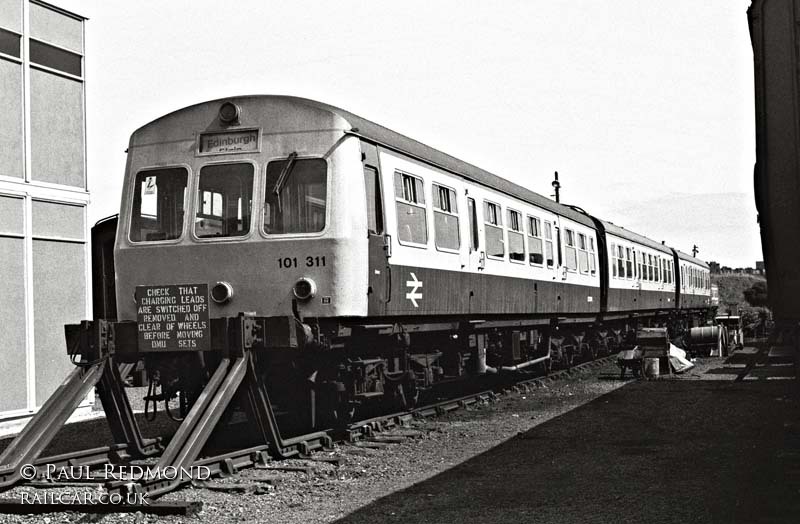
99 347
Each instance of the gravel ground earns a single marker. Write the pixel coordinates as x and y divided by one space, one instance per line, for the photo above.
688 448
324 492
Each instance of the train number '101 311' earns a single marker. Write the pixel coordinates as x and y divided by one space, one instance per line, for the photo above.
310 261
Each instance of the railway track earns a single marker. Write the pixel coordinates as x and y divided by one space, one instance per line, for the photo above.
375 432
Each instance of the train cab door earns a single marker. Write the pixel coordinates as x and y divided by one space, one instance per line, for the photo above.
379 243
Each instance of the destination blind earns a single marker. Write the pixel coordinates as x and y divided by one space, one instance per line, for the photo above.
173 318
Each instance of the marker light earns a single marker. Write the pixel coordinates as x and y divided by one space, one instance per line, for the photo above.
229 113
304 289
221 292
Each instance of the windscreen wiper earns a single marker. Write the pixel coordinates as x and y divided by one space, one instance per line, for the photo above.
285 172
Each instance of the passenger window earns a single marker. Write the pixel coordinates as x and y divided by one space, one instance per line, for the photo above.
473 223
158 200
412 223
445 218
296 196
570 251
592 257
548 243
374 204
614 259
535 246
516 240
493 221
620 262
583 254
628 263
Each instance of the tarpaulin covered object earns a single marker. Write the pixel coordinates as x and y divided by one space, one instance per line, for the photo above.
677 359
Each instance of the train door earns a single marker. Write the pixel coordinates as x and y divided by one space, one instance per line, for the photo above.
379 243
561 267
477 252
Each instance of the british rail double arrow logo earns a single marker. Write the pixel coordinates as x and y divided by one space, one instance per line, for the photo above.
414 284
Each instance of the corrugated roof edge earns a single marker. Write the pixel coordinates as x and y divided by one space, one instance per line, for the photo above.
381 135
636 237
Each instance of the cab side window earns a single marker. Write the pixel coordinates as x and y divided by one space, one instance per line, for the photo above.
374 204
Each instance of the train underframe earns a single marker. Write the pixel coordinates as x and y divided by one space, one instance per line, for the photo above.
275 387
337 371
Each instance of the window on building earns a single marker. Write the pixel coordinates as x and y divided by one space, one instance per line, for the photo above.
55 58
299 206
493 222
570 250
473 223
225 199
9 43
158 204
445 218
548 244
535 244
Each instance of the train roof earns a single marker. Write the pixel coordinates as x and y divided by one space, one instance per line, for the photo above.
621 232
392 140
690 258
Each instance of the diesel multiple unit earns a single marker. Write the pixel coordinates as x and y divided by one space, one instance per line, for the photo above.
396 266
283 267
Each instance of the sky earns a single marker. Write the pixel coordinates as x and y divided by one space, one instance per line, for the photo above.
644 108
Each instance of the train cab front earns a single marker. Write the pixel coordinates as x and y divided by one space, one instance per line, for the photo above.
239 206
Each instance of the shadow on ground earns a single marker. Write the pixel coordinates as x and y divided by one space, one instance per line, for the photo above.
666 451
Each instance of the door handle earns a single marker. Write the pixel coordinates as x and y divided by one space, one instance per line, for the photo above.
482 260
387 245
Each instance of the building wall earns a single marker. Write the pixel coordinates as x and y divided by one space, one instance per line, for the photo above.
44 251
